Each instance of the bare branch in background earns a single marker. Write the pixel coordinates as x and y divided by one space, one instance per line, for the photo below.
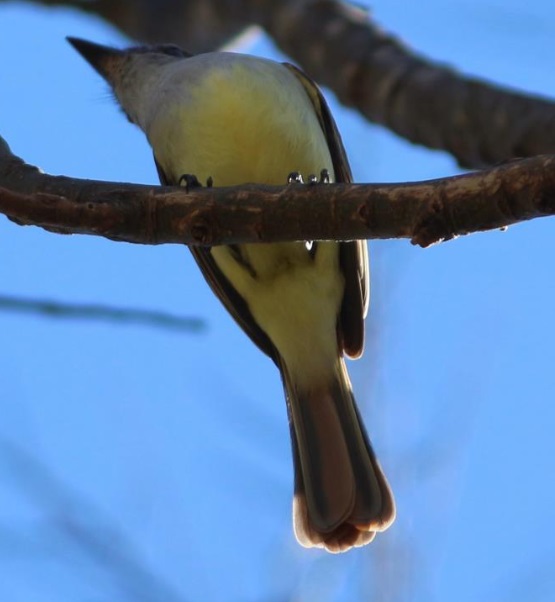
196 25
341 47
425 212
84 528
93 311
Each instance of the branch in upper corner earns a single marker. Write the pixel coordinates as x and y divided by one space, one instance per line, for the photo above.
425 212
196 25
426 102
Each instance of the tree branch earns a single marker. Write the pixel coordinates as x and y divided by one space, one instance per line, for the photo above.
479 123
425 212
105 313
84 527
196 25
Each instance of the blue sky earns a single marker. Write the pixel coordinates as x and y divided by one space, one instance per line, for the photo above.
170 450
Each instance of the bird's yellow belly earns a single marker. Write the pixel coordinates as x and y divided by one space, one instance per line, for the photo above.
295 298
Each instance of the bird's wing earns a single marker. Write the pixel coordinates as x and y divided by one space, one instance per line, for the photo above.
222 288
353 255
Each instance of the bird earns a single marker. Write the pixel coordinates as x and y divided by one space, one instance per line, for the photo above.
229 119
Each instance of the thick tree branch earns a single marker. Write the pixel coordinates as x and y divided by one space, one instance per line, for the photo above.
479 123
338 44
197 25
425 212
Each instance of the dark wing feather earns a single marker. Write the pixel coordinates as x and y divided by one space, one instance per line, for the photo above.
353 255
233 302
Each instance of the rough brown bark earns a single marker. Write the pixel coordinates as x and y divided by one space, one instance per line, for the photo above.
428 103
425 212
196 25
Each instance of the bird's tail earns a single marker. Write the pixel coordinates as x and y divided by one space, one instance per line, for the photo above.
341 494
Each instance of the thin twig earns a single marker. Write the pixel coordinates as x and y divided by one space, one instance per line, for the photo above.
92 311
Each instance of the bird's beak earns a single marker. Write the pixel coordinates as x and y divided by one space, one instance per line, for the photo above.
102 58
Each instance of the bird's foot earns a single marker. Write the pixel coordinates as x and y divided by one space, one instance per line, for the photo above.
296 177
190 181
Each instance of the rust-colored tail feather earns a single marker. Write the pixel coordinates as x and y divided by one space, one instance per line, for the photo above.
342 497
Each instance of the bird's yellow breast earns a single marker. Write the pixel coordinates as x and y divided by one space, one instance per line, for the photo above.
242 122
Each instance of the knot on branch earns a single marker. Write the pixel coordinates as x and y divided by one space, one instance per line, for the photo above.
434 225
201 231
